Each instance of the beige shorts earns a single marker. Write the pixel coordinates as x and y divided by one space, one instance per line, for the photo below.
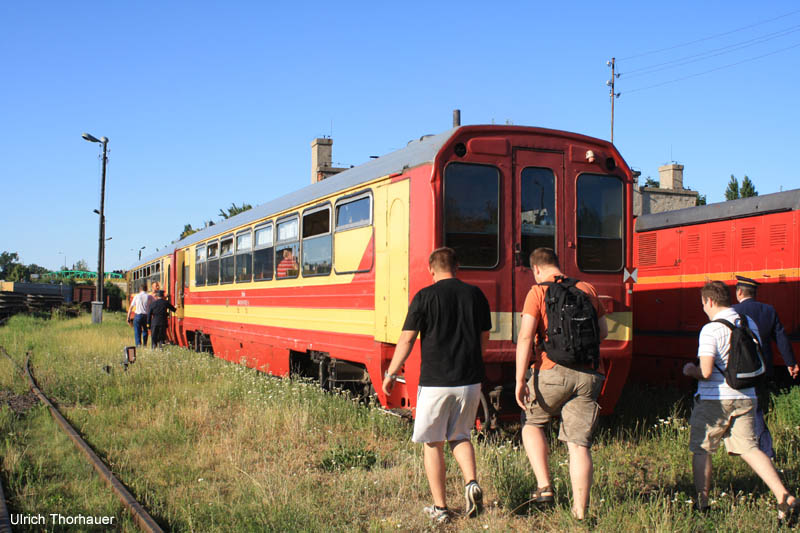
728 420
567 392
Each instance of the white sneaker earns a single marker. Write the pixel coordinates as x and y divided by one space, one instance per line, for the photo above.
440 516
474 497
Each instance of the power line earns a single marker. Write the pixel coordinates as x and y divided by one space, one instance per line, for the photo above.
643 71
712 70
710 37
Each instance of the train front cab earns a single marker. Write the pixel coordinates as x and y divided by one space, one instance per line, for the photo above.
501 193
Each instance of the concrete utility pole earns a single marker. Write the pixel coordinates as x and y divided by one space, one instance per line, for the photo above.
612 94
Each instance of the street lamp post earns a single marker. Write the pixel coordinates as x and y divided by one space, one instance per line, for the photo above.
97 306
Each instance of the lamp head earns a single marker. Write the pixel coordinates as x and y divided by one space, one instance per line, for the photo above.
91 138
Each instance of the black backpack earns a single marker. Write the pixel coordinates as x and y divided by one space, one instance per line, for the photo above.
745 359
573 336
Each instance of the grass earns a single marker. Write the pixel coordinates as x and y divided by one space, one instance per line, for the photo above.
210 446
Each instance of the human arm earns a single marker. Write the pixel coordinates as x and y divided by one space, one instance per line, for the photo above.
785 348
524 343
707 351
401 352
603 327
701 371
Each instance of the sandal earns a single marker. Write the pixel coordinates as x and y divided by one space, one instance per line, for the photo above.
788 513
543 495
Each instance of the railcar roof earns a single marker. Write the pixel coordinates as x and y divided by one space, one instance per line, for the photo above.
417 152
744 207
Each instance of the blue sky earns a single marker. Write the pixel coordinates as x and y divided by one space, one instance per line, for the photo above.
209 103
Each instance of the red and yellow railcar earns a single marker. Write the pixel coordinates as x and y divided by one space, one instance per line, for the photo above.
318 282
677 251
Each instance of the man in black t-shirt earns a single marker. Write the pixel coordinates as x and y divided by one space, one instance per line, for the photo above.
454 321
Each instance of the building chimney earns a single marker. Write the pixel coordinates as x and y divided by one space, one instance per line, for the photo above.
321 158
456 118
671 176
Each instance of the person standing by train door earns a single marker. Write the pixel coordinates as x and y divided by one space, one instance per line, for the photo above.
770 328
453 319
157 320
137 314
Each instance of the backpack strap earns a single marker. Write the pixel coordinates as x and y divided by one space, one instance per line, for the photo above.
732 327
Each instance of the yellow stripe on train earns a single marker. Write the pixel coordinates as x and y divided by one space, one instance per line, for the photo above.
768 275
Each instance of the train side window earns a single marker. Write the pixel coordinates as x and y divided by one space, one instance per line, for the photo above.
244 256
600 215
212 262
287 249
317 242
471 215
538 216
200 266
262 254
226 270
353 213
353 233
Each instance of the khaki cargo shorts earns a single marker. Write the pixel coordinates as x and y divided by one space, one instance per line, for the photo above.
567 392
731 421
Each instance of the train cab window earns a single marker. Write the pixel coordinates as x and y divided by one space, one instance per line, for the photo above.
471 199
538 216
600 214
212 262
353 213
244 256
262 254
226 262
317 242
287 249
200 266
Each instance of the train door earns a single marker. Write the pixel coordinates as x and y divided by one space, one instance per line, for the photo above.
538 207
176 291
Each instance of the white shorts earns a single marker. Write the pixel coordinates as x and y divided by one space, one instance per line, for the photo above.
446 413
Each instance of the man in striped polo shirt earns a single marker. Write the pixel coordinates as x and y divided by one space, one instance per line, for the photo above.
722 413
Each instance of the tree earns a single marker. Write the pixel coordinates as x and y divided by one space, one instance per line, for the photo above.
650 182
7 261
234 210
732 192
82 265
187 230
747 189
701 199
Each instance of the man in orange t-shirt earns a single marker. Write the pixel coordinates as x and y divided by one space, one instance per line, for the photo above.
555 389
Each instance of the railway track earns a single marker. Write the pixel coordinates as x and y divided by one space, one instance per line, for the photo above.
140 516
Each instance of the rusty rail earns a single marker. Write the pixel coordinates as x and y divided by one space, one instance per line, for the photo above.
139 514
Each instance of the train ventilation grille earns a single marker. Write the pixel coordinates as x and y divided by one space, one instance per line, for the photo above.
748 237
777 235
718 241
693 243
647 249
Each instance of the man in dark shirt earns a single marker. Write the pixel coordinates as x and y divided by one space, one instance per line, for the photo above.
157 319
769 328
453 319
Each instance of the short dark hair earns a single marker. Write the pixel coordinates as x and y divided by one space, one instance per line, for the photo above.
748 291
443 259
544 257
717 292
160 294
143 286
